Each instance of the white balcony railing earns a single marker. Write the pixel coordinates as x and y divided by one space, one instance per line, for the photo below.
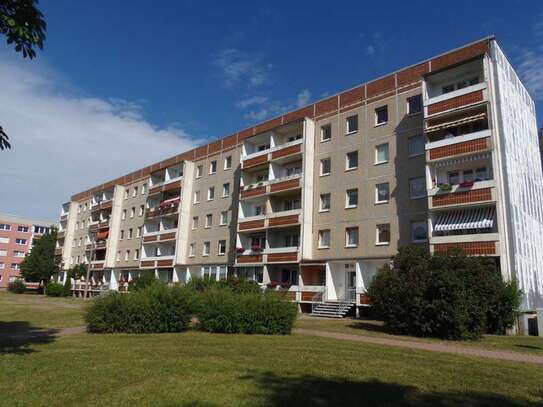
453 94
458 139
166 182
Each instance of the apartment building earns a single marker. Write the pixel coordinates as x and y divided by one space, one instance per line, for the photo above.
443 153
17 237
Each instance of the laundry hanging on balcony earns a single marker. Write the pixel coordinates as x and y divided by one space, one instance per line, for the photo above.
169 203
479 218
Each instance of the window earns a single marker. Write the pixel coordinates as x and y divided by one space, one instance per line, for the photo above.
223 220
414 104
381 115
324 202
209 220
130 233
195 220
351 160
15 266
294 138
199 171
118 257
326 166
192 249
351 124
18 253
228 162
453 177
382 193
132 211
292 204
294 170
20 241
382 234
143 188
419 231
416 145
124 214
135 191
258 210
127 255
481 174
2 266
196 197
136 254
417 188
76 225
3 253
126 192
23 229
460 85
4 239
138 231
210 193
142 209
222 247
292 240
213 167
226 189
263 147
79 209
351 198
324 239
85 208
326 132
351 237
5 226
381 153
206 249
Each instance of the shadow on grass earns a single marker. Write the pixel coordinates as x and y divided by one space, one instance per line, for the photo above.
529 347
17 337
373 326
307 390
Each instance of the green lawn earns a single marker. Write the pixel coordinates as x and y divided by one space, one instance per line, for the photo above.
201 369
523 344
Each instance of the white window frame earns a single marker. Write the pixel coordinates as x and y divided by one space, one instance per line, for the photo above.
347 168
377 110
199 171
206 248
320 239
196 198
348 129
223 252
223 219
195 222
347 230
377 200
377 230
192 249
321 173
408 107
212 163
227 162
323 131
424 194
226 190
377 162
321 209
209 220
347 204
210 193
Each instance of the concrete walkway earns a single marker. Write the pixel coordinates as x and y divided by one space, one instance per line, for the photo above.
432 347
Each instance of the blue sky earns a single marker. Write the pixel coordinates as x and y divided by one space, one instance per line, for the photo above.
171 74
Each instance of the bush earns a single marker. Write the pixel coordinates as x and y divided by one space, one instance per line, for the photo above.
228 312
450 296
144 280
242 286
155 308
56 290
18 286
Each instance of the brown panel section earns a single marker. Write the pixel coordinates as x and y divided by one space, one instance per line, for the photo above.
461 55
172 186
215 147
229 142
149 238
287 151
365 299
352 96
454 103
412 74
97 266
252 162
284 220
298 114
164 263
382 85
457 198
293 183
155 190
270 124
311 275
326 106
281 257
148 263
200 152
308 295
167 236
459 148
246 133
256 258
471 248
253 192
254 224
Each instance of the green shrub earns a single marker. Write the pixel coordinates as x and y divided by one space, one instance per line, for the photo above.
17 286
450 296
144 280
155 308
56 290
228 312
201 284
242 286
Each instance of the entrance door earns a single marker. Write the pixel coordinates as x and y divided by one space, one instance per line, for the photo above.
350 287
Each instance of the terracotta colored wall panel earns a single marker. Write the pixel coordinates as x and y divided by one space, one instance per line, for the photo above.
458 198
459 148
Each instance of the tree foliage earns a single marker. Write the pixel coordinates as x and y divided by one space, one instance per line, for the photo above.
450 296
41 263
23 25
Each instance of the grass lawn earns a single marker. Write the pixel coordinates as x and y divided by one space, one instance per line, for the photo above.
201 369
523 344
17 311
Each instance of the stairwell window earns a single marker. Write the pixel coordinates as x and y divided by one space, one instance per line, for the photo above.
324 202
222 247
351 198
138 231
382 232
381 153
122 235
130 233
351 161
123 217
326 132
118 257
135 192
351 237
326 167
207 248
143 189
414 104
417 188
419 232
132 211
127 255
381 115
142 209
324 239
351 124
136 254
416 145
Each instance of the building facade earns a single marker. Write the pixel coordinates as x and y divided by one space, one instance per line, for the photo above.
443 153
17 237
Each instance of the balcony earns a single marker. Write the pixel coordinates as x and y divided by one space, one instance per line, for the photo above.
61 234
160 236
64 218
167 185
285 183
272 220
58 251
277 153
166 261
477 193
168 207
102 205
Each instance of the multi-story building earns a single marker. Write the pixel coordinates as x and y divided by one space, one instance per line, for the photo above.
442 153
17 237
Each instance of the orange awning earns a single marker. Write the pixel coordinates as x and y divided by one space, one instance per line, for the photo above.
102 235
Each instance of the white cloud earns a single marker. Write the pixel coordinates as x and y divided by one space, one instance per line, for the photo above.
303 98
63 144
251 101
530 63
268 108
238 67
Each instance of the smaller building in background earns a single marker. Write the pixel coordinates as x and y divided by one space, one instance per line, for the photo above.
17 237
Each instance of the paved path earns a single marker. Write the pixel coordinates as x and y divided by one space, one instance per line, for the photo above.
432 347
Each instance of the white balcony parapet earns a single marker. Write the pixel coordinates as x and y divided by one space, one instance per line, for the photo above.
286 178
285 145
453 94
256 185
166 182
475 237
250 218
455 188
279 214
168 257
159 232
273 250
255 154
458 139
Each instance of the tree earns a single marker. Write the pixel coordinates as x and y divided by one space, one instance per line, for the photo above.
41 263
23 26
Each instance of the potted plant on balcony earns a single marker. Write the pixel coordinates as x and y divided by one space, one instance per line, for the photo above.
444 187
466 184
240 250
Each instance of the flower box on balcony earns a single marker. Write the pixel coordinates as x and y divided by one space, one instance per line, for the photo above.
466 184
256 248
240 250
444 187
